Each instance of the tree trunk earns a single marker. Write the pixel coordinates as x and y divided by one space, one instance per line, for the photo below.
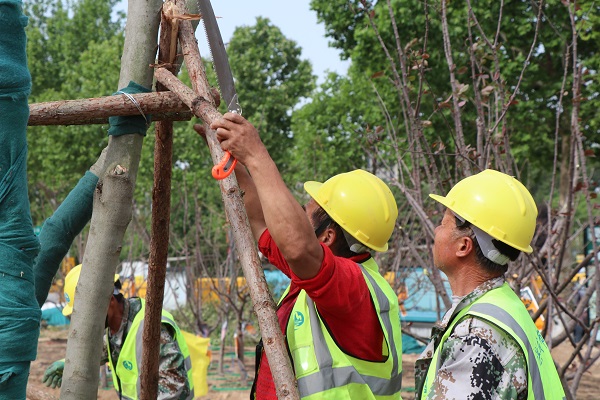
111 216
222 349
565 171
238 342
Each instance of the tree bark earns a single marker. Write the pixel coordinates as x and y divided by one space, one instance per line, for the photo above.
162 106
111 215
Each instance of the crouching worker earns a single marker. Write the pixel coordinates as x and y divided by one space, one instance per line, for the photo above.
123 347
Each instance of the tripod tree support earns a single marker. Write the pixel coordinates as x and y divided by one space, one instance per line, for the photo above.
202 105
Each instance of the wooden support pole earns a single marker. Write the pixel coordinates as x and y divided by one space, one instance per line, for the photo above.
264 306
202 105
161 105
161 217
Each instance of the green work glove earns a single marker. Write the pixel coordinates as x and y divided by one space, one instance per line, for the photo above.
53 375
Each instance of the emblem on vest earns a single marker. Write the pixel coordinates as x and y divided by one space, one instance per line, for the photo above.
298 319
128 365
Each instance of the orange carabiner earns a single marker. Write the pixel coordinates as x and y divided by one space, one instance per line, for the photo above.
225 167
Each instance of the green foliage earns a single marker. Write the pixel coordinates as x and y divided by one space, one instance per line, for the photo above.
530 123
335 131
59 32
271 78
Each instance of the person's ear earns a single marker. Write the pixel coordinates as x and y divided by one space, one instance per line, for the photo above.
328 237
465 246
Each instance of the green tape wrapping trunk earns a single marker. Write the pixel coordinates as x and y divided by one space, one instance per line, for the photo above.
19 310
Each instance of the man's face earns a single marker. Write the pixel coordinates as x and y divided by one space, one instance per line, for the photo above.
445 239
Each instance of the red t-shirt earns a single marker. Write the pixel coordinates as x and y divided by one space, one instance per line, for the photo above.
344 302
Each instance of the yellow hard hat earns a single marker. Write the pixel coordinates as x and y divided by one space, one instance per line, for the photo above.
70 284
361 203
496 203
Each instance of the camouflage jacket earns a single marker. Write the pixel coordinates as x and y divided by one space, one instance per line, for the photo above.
172 376
477 361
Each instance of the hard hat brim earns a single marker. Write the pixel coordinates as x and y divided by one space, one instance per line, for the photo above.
444 201
312 187
67 310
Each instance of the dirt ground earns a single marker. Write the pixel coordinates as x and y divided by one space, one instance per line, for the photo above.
52 346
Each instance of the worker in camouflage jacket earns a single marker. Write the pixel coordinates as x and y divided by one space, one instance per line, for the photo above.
123 347
486 346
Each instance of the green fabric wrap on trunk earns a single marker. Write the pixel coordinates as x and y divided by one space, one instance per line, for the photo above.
19 311
15 80
126 125
59 231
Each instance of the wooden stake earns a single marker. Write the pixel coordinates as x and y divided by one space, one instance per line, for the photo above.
162 106
202 105
161 217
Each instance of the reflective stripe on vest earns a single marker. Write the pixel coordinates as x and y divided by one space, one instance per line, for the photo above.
504 320
134 343
328 377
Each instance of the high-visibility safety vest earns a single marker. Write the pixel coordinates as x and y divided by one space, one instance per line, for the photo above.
127 375
504 309
324 371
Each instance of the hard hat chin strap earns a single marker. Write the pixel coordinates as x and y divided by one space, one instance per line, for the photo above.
487 247
354 245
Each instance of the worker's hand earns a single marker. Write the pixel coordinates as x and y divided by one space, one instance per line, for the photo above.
53 375
239 168
240 138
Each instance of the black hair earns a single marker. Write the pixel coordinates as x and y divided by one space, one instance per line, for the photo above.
322 221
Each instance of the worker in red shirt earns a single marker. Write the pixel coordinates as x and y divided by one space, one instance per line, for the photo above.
339 316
